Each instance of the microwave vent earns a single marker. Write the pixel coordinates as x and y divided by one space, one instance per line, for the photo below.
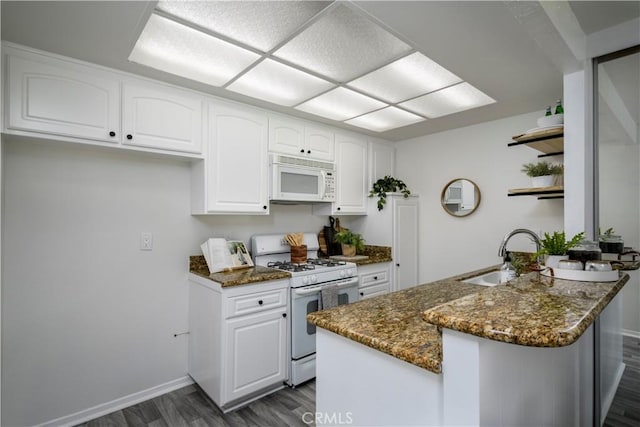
286 160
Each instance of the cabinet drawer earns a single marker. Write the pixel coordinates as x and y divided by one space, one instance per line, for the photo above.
374 277
373 291
252 303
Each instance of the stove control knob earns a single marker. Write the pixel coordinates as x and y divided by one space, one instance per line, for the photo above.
314 279
305 280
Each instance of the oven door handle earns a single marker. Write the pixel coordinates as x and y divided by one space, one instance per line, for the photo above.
316 289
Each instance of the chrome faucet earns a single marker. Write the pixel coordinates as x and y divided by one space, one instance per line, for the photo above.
503 246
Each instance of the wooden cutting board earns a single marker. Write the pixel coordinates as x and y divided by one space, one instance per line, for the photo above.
349 258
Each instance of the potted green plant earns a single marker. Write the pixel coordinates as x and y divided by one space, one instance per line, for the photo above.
543 174
385 185
555 247
351 242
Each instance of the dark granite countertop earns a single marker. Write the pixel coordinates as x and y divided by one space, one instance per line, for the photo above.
531 310
198 266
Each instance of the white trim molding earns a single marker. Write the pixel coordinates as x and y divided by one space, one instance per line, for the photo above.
117 404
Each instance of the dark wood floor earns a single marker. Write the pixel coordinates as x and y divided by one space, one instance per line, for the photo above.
625 409
189 406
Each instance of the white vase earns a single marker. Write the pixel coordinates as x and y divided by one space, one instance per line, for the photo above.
552 260
543 181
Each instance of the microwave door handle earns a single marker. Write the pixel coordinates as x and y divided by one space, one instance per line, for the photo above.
323 174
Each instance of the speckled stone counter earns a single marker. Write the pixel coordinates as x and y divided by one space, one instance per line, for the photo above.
198 265
532 310
393 323
376 254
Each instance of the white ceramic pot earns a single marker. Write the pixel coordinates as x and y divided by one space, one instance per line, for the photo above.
543 181
552 260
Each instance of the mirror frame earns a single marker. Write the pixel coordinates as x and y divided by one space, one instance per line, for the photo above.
476 204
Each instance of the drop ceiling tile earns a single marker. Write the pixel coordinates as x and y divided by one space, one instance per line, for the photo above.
260 24
340 104
177 49
385 119
447 101
278 83
406 78
342 45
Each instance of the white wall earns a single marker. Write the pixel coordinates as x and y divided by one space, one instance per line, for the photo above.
450 245
86 316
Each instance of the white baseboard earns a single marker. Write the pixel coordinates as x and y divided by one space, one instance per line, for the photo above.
117 404
608 399
630 333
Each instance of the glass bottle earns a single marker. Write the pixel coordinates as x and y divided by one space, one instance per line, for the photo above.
507 272
559 109
548 112
586 250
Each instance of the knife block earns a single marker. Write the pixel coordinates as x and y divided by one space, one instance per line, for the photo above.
299 254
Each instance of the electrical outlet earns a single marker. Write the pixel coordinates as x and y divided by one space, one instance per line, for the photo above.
146 241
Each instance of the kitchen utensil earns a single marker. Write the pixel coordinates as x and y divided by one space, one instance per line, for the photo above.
299 254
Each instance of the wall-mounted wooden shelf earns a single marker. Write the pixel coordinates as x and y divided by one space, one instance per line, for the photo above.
555 192
549 142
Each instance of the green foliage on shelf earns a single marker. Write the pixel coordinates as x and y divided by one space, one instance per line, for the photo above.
542 169
385 185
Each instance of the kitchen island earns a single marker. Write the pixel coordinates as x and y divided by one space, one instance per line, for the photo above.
452 353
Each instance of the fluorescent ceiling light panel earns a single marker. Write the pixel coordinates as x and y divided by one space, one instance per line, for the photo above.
340 104
450 100
177 49
342 45
406 78
260 24
278 83
386 119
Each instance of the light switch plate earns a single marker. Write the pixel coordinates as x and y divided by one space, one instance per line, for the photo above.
146 241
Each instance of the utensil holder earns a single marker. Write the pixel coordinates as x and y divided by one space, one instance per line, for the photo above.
299 254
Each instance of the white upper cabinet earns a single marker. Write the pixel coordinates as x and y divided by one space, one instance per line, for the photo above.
351 178
297 139
50 96
236 165
160 117
382 157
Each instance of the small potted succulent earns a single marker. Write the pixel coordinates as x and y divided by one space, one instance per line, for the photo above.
544 174
351 242
385 185
555 247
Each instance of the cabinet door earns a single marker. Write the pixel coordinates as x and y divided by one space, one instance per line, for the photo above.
162 117
237 165
405 243
60 98
382 161
286 136
351 163
255 353
319 143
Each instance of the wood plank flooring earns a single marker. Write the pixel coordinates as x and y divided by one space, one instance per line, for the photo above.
190 407
625 409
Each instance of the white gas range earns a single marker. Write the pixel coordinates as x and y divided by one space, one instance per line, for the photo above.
305 296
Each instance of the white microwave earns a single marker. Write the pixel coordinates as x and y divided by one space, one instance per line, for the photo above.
302 180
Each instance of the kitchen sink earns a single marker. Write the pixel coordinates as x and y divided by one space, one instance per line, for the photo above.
487 279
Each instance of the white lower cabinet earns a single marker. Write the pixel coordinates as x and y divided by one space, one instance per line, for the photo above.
237 341
374 279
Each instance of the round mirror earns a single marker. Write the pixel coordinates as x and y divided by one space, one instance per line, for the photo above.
460 197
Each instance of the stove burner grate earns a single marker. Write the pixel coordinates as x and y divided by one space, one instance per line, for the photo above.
290 266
